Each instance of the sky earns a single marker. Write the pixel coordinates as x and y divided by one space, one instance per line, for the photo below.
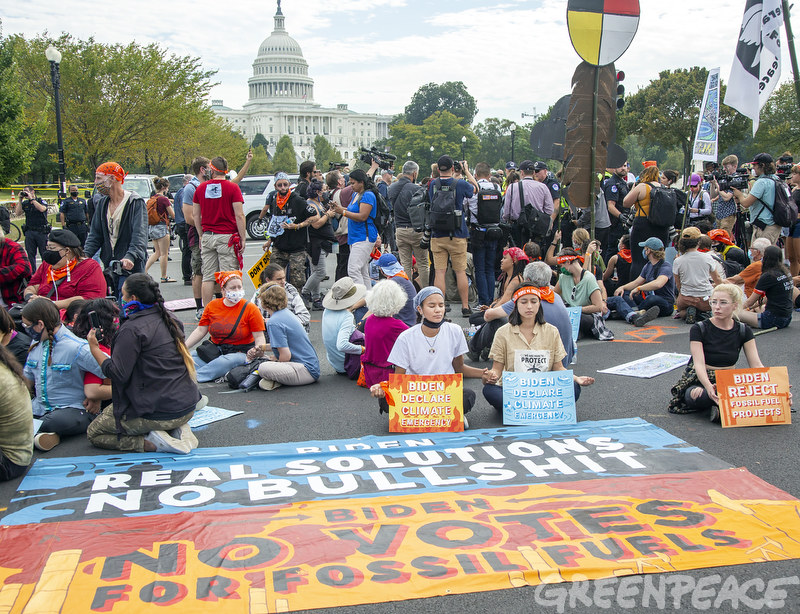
514 57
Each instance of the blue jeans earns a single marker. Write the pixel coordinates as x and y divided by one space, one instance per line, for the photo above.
624 306
767 319
494 395
209 371
483 255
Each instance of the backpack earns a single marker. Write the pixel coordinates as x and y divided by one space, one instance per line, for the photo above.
383 215
784 211
663 206
536 222
444 215
490 204
418 209
153 217
245 377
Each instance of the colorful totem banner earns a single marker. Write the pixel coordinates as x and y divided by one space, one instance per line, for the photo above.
754 397
353 551
707 135
426 403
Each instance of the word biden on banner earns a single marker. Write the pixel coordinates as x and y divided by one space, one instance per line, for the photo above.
754 397
539 399
425 403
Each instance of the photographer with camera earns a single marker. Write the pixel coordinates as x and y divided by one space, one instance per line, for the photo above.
699 203
36 226
407 239
727 207
761 199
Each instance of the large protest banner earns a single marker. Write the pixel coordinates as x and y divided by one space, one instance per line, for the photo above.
354 551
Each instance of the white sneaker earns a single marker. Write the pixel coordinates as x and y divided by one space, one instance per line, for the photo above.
165 443
46 441
184 433
198 313
201 403
269 384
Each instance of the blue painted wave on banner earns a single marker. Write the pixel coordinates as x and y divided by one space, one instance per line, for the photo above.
78 488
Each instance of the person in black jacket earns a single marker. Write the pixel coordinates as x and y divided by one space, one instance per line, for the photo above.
153 382
119 226
36 225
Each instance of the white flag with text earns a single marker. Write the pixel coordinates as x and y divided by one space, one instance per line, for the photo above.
757 62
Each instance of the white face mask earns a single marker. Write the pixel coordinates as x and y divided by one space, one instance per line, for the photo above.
234 296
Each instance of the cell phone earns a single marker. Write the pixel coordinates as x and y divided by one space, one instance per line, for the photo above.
94 319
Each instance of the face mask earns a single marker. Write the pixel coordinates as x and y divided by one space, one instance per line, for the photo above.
750 254
644 252
36 336
103 189
429 324
234 296
73 194
565 271
133 306
51 257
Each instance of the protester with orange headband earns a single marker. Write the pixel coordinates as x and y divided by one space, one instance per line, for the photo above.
119 226
579 288
734 258
236 326
526 344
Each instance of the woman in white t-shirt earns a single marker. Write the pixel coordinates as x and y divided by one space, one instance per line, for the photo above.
433 347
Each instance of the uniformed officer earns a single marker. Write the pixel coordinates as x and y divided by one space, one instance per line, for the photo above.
36 227
74 215
615 188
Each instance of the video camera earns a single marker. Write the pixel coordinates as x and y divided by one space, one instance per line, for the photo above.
739 180
784 170
335 166
384 160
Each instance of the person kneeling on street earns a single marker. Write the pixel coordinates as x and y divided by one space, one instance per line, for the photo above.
153 381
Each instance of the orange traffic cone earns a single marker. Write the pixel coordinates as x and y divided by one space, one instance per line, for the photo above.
12 195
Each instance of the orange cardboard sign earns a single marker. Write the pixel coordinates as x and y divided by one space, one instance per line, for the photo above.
754 397
425 403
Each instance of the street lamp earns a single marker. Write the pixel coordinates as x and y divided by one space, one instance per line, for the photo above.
408 155
431 154
513 128
53 55
463 144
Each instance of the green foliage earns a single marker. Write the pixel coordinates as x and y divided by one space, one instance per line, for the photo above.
665 113
495 136
450 96
442 130
285 158
261 164
325 153
19 131
260 141
780 116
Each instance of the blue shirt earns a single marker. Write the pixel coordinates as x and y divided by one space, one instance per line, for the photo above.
764 190
463 193
357 231
285 331
667 291
407 314
178 206
555 313
337 326
60 384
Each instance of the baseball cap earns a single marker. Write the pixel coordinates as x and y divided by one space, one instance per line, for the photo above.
389 265
527 165
763 158
695 179
511 165
653 243
539 166
445 163
691 232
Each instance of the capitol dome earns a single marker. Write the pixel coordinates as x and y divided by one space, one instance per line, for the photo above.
280 72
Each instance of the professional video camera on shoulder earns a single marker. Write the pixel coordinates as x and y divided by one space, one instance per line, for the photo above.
739 180
784 170
336 166
384 160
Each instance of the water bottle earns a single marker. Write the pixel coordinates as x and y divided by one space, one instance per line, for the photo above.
471 331
251 381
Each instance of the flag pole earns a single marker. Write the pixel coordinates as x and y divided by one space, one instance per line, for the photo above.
792 54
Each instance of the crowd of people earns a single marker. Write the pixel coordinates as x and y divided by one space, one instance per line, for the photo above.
88 346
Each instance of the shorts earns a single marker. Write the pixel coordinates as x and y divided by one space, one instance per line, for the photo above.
217 255
196 260
157 231
454 248
794 231
767 319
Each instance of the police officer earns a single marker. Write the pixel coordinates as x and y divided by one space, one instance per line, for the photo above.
615 188
36 227
74 215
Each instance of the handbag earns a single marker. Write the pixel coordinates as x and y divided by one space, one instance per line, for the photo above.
208 350
536 222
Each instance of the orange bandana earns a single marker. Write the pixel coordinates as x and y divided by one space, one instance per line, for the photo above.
56 274
223 277
400 274
625 254
282 200
545 293
113 169
568 259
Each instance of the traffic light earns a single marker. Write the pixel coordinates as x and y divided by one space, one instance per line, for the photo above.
620 90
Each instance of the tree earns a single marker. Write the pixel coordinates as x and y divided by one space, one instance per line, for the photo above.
261 164
450 96
285 158
441 130
495 137
777 130
325 153
665 113
19 131
259 140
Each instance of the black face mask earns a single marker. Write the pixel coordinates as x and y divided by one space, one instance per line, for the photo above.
51 257
429 324
73 194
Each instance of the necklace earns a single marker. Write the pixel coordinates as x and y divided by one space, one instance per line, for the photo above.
431 349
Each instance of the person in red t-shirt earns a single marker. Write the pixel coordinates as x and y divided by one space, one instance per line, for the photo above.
66 274
219 319
219 219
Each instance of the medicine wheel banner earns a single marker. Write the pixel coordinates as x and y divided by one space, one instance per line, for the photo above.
602 30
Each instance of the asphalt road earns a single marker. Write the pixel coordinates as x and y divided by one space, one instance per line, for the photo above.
334 408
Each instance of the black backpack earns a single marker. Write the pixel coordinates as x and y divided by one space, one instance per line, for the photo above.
418 209
784 212
383 215
490 204
444 215
663 206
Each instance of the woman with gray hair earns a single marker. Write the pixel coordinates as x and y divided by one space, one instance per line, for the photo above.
381 329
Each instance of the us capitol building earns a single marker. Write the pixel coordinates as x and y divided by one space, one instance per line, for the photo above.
281 102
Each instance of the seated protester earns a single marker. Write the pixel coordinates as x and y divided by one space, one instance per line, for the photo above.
15 342
294 361
775 285
652 293
715 344
434 347
276 273
15 270
57 363
735 258
235 326
154 390
512 266
694 274
97 389
526 333
618 269
704 247
71 313
16 419
749 276
338 322
394 271
533 251
590 250
66 274
384 301
579 288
